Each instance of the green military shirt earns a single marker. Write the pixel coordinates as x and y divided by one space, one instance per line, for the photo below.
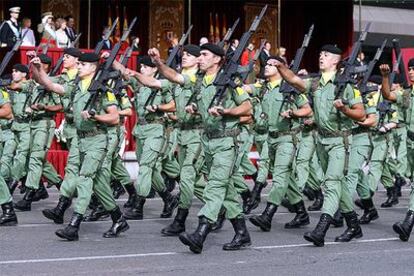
405 103
20 100
45 98
66 100
233 98
325 114
4 98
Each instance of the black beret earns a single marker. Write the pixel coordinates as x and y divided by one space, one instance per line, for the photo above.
192 49
146 60
411 63
89 57
215 49
45 59
277 58
377 79
74 52
21 68
331 49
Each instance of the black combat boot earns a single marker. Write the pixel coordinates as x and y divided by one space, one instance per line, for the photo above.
245 195
178 225
220 221
195 240
9 217
117 189
70 232
398 183
301 218
170 203
309 193
97 214
353 229
255 197
57 214
26 203
130 188
22 186
13 185
404 228
137 212
264 221
119 224
317 236
41 193
370 213
392 198
285 203
317 204
338 219
241 238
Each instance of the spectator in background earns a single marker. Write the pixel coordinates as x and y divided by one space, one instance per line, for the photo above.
70 28
247 55
10 31
29 38
47 29
107 44
135 44
203 40
282 53
264 55
233 45
62 38
361 59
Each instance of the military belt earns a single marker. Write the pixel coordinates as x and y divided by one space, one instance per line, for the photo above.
260 130
69 120
189 126
143 121
308 128
330 134
85 134
21 120
401 125
359 130
6 126
277 134
41 117
221 134
410 135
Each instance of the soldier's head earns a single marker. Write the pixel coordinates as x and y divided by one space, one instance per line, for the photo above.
210 58
411 69
14 12
329 58
46 62
191 53
148 68
70 58
87 65
271 67
20 72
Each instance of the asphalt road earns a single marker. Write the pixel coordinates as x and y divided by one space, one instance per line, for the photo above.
32 247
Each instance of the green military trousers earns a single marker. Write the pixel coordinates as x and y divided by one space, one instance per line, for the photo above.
8 152
262 147
399 163
119 172
220 158
169 163
22 137
68 186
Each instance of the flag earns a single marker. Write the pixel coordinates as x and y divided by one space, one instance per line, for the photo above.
224 29
118 27
110 21
211 35
217 29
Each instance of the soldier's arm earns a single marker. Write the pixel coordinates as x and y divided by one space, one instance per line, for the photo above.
168 107
53 108
147 80
303 111
169 73
370 121
290 77
42 78
385 88
244 109
6 111
111 117
125 112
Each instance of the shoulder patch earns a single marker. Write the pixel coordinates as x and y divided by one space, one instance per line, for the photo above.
193 78
240 91
5 95
110 96
357 93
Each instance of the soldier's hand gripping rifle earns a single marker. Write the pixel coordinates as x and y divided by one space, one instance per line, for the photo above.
169 61
103 75
229 77
363 86
9 55
345 75
285 88
401 66
228 34
60 60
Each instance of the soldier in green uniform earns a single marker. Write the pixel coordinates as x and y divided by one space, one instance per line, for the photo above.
9 146
150 136
284 136
8 218
43 106
405 101
219 141
95 146
334 120
190 155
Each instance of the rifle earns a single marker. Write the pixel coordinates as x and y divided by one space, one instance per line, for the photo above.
285 88
363 86
169 61
345 76
118 85
73 43
401 66
60 60
103 75
9 55
229 77
245 73
228 34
